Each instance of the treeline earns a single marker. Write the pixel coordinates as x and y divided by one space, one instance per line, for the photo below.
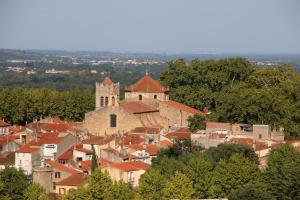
227 171
236 90
22 105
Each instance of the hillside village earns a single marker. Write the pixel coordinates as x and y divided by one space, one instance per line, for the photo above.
124 135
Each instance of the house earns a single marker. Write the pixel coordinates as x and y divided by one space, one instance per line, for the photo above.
4 128
7 159
53 172
70 183
49 146
129 172
9 143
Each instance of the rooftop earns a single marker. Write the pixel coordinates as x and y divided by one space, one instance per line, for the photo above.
74 180
147 85
137 107
182 107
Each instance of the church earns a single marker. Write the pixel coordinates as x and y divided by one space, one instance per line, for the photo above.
146 104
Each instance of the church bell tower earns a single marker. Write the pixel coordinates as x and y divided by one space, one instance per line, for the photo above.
107 93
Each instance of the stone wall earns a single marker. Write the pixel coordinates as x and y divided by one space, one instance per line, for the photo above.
175 116
135 96
98 122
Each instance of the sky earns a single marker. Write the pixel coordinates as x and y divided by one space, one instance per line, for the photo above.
156 26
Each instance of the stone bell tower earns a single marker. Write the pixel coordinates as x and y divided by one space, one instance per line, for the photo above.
107 93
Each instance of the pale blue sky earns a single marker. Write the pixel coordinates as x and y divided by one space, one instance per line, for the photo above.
175 26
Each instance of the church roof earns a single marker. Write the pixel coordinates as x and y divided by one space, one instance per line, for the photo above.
146 84
136 107
182 107
107 81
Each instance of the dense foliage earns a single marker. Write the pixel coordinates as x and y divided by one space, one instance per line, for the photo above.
236 90
214 174
21 105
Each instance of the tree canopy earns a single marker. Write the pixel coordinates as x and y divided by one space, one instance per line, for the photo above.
236 90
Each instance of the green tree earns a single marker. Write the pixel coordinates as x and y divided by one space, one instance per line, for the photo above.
178 187
99 185
283 172
234 174
14 183
196 122
150 185
121 191
197 169
225 151
251 193
94 159
35 192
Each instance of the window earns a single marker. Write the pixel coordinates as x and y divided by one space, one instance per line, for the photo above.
62 190
101 101
113 120
259 136
113 101
106 101
155 96
140 97
57 175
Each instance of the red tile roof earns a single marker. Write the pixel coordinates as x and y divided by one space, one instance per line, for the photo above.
218 125
74 180
182 107
99 140
79 147
130 166
166 143
3 123
182 133
47 138
16 129
259 145
107 81
60 166
137 107
147 130
133 139
67 155
150 148
7 158
148 85
8 138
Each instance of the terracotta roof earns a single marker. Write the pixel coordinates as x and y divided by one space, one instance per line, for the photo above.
218 125
67 155
99 140
8 138
130 166
16 129
3 123
182 133
149 130
137 107
259 145
79 147
149 148
60 166
7 158
74 180
182 107
166 143
47 138
133 139
146 84
107 81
